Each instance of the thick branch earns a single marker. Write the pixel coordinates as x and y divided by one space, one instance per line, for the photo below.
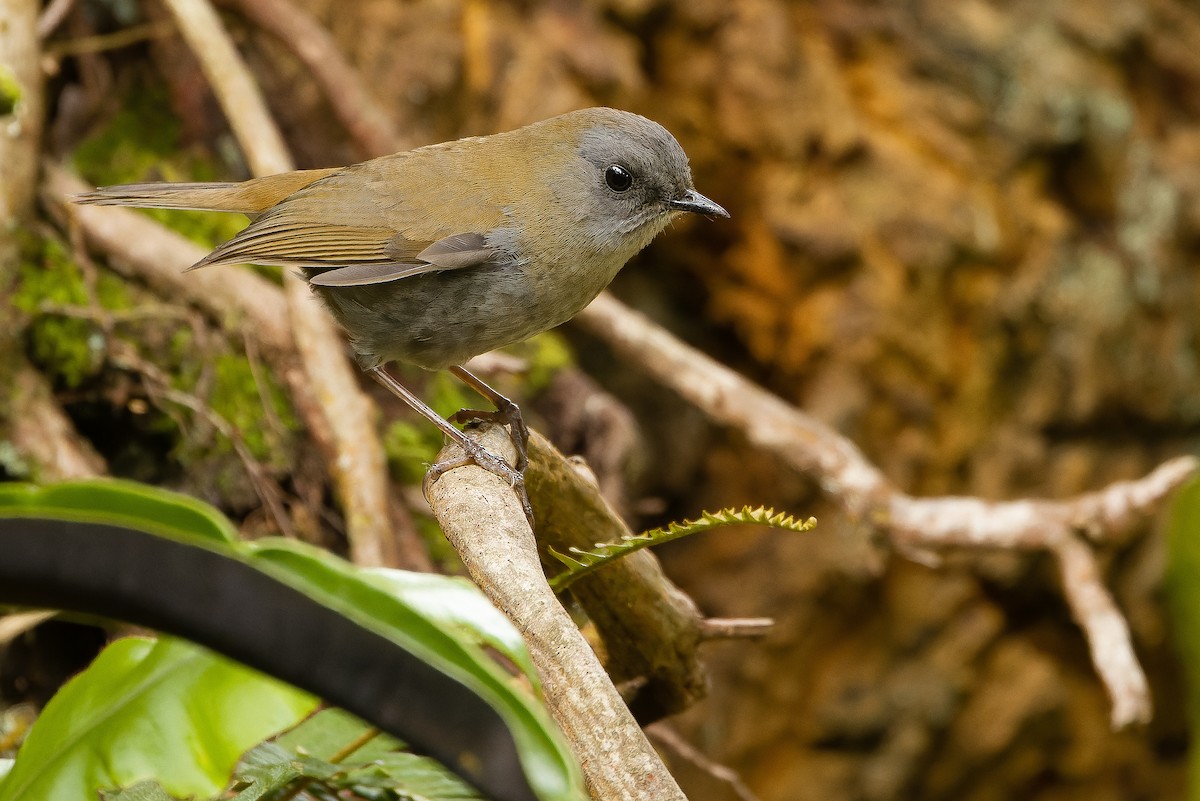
21 101
911 523
42 433
483 520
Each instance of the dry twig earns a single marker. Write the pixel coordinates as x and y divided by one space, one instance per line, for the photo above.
915 524
362 117
670 739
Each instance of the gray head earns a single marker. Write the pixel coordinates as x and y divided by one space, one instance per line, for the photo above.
634 174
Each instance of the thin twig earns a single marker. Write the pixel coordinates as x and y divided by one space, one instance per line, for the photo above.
274 425
352 102
52 16
917 524
102 42
728 628
158 385
670 738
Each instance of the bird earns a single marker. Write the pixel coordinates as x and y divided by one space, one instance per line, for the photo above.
435 255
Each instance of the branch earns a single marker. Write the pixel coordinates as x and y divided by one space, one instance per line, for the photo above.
482 518
33 420
42 433
21 112
352 102
651 629
358 465
914 524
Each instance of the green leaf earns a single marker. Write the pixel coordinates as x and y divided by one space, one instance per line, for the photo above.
457 605
441 621
412 777
548 762
145 709
122 502
328 733
269 768
580 562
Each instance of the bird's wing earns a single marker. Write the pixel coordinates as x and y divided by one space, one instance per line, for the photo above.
449 253
348 229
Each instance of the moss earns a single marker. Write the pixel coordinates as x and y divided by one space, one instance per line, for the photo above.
546 354
235 396
10 91
444 557
410 447
141 142
68 348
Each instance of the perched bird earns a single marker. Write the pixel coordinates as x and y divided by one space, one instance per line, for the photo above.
438 254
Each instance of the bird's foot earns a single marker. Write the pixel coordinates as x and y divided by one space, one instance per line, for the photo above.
478 455
509 414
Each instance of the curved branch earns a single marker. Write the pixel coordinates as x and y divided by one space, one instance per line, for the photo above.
483 519
915 524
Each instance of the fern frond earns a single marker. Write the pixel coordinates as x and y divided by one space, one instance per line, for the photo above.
580 562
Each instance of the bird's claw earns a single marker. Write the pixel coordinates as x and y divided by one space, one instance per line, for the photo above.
478 455
508 415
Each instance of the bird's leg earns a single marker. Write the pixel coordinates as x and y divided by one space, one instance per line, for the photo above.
506 411
475 452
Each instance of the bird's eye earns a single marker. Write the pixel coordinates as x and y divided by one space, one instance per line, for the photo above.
618 178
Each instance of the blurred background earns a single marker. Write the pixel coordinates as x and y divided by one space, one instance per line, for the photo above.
963 234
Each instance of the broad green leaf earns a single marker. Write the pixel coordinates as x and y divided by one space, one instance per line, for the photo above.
458 606
164 710
114 500
337 584
430 617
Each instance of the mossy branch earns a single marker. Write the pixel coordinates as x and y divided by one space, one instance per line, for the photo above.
580 562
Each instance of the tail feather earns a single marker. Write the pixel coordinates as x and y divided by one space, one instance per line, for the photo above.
248 197
196 197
